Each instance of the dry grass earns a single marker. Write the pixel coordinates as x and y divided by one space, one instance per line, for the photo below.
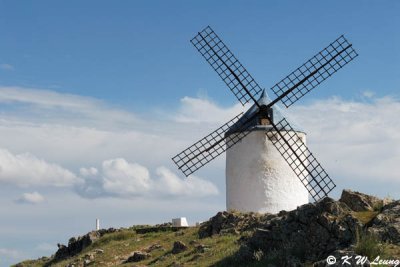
221 250
392 251
118 246
365 217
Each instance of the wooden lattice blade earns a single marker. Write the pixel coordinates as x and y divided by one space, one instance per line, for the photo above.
208 148
300 159
228 67
317 69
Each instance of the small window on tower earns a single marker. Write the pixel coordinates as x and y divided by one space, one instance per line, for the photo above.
264 121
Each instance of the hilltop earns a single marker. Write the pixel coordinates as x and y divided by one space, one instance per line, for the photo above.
356 224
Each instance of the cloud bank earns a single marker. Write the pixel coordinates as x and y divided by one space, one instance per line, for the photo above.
355 139
28 170
119 178
352 139
116 178
64 146
201 110
46 106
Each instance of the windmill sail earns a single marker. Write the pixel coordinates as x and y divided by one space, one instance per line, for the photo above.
300 160
288 90
231 71
211 146
314 71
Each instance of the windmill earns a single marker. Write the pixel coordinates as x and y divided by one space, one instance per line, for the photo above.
268 166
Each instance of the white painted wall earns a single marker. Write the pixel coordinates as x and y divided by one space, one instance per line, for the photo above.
259 179
180 222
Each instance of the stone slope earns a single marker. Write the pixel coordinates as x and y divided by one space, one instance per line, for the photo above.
313 231
301 237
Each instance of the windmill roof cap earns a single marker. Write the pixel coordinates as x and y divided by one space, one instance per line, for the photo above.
264 100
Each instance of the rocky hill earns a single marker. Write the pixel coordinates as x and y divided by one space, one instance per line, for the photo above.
356 224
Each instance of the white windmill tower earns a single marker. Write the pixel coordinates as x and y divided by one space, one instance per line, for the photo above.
257 176
268 166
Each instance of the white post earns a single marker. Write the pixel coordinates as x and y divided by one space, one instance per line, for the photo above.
97 224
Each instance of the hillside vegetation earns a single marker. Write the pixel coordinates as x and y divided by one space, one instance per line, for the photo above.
357 224
114 249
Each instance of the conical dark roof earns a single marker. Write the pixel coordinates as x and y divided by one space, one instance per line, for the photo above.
277 116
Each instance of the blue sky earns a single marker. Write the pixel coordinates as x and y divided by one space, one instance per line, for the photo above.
96 96
131 51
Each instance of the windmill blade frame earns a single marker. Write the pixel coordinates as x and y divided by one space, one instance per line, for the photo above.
289 90
316 70
228 67
211 146
300 159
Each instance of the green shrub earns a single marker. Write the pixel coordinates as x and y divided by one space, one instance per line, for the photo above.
118 236
368 245
378 206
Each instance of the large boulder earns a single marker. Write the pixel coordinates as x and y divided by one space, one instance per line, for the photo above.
386 225
359 201
138 256
232 222
178 247
75 246
78 244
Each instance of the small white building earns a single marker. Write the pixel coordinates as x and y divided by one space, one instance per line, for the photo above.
180 222
258 178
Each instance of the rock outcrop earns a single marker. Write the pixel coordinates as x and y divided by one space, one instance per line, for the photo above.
138 256
387 223
359 201
78 244
178 247
232 222
75 245
309 233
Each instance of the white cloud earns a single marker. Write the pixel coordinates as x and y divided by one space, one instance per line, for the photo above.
352 139
78 131
47 106
123 178
6 66
47 98
170 184
31 198
117 178
347 136
87 172
357 140
27 170
368 94
201 110
120 178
